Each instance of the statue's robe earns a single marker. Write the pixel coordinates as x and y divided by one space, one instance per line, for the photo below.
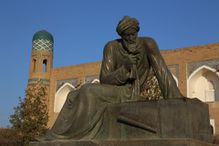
82 114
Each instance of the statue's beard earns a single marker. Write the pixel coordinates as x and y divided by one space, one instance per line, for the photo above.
130 47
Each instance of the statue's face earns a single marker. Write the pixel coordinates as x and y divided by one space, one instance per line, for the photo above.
129 38
130 35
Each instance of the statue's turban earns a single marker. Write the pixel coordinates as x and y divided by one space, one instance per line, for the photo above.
127 22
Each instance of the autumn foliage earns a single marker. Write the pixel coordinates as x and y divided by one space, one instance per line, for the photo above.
31 115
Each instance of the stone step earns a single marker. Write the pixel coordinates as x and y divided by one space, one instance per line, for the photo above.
135 142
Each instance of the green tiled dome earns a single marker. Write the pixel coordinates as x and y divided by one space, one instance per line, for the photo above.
43 35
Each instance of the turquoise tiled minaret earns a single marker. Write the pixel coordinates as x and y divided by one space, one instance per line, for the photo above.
41 57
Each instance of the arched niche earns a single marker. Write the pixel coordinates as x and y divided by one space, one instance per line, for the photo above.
175 78
61 96
203 84
44 65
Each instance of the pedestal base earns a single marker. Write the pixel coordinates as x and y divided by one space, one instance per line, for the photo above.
140 142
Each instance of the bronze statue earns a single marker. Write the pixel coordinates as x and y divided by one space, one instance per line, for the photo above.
126 65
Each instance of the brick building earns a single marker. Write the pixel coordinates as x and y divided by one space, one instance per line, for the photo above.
195 69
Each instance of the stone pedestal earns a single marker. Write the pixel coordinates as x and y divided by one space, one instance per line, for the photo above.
167 118
146 142
169 122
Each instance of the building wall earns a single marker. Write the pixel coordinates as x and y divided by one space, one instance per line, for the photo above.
187 61
182 63
184 56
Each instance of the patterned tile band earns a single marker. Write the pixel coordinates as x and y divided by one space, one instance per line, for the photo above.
192 66
42 44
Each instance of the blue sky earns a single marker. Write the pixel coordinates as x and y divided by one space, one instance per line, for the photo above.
81 28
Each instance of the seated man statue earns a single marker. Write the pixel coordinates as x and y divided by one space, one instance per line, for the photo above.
125 68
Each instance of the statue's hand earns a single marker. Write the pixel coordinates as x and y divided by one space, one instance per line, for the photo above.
130 62
132 59
128 74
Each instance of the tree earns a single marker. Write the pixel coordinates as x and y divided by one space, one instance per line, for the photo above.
31 115
16 118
